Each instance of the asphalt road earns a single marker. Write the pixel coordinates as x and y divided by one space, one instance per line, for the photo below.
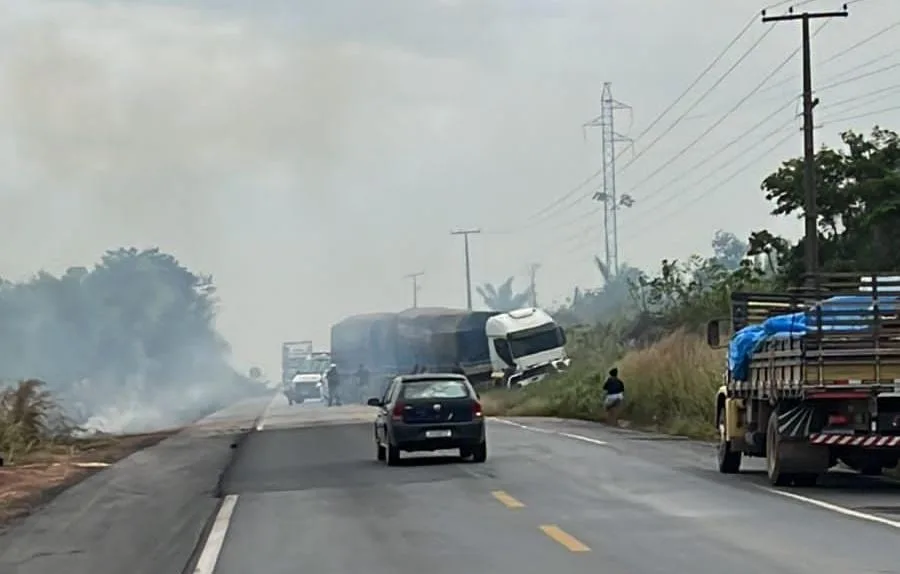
302 492
553 497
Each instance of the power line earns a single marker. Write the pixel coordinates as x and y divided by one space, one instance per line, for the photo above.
584 233
717 153
551 208
871 37
699 100
683 205
863 115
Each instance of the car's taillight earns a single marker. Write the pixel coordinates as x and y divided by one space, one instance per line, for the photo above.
397 413
476 409
837 420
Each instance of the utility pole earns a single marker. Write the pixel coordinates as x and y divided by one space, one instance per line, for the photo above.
606 121
811 214
533 269
465 233
415 286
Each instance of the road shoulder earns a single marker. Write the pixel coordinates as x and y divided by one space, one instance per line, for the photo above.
144 514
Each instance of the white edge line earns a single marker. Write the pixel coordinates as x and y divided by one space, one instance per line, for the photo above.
265 413
585 438
206 564
594 441
521 426
833 507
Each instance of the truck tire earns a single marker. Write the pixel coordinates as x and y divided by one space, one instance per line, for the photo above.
774 462
729 460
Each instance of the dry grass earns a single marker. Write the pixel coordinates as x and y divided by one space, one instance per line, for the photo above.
29 420
669 386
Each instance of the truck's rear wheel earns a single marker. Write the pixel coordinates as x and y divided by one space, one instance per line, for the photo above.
774 455
729 460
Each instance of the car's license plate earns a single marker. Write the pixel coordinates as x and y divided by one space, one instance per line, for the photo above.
437 434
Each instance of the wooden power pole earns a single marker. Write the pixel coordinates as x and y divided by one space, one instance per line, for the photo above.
811 213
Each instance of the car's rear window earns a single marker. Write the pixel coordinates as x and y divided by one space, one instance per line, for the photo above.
436 389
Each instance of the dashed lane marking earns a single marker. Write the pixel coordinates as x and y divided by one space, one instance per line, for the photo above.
571 543
507 500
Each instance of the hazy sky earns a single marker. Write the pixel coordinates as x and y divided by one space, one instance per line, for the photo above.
309 154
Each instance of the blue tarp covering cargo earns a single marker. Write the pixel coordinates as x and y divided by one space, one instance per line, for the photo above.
838 314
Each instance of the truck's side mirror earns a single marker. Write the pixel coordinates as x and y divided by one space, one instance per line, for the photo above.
713 330
374 402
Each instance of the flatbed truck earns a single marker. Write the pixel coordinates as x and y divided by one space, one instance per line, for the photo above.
817 382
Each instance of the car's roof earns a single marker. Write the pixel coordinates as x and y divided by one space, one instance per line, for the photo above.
432 377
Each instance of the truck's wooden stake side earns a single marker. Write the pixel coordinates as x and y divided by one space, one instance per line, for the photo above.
825 393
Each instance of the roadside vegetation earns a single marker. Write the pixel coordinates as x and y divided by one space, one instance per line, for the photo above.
100 362
650 325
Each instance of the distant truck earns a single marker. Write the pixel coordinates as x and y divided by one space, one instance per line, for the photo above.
813 379
525 346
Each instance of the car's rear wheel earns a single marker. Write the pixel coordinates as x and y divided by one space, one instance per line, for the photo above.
380 452
393 455
479 453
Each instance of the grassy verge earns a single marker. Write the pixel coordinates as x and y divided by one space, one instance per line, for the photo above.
670 388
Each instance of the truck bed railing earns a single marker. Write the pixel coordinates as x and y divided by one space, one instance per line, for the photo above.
847 327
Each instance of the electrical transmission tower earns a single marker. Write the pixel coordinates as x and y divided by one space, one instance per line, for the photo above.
607 194
532 272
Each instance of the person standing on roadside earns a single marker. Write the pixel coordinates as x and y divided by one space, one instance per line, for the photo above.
615 395
333 379
362 381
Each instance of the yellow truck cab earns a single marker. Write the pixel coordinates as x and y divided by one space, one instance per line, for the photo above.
812 378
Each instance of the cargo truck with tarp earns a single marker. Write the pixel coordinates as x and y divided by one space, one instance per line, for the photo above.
812 378
444 339
432 338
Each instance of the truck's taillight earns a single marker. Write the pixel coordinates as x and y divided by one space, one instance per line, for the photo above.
476 409
837 420
397 413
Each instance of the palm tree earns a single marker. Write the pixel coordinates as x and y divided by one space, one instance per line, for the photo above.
503 298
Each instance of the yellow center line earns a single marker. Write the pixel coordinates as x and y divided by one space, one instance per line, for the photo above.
564 538
507 500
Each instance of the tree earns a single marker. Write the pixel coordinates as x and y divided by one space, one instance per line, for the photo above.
858 203
503 298
728 250
138 323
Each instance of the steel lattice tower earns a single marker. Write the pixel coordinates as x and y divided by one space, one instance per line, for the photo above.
607 194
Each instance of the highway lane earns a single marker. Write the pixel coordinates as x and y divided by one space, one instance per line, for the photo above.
305 495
